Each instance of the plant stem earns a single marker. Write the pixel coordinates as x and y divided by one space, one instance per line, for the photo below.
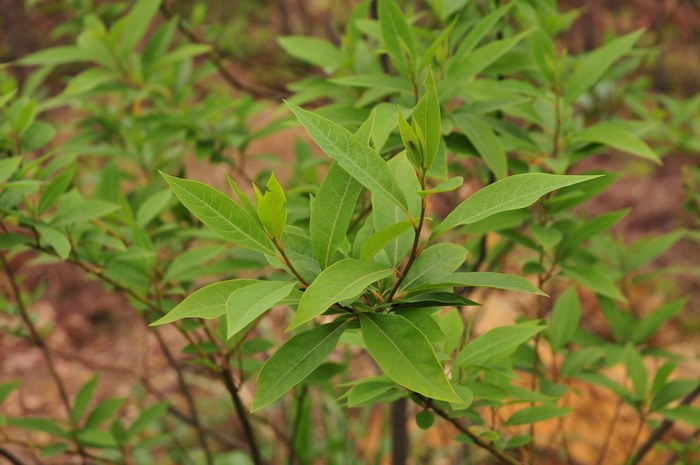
400 441
288 262
608 436
215 57
504 457
242 415
39 342
658 433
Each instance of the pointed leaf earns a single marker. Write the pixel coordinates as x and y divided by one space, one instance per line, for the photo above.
486 143
406 356
381 238
565 318
332 212
511 193
343 280
435 262
247 303
593 65
535 414
427 116
358 159
495 344
220 214
293 361
207 302
619 138
508 282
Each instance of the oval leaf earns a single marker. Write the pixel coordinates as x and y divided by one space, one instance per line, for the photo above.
246 304
343 280
294 361
406 356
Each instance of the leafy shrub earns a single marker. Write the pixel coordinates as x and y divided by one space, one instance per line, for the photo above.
382 255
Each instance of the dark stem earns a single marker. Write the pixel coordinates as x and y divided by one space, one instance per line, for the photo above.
187 394
216 57
400 441
608 436
427 403
242 415
39 342
658 433
13 460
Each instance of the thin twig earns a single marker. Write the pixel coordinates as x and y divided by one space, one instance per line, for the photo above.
658 433
216 57
428 403
39 342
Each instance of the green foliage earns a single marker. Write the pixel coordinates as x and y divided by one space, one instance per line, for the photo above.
451 133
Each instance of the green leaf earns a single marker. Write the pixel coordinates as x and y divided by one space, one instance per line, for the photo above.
364 133
312 50
374 81
511 193
435 262
530 415
359 160
152 206
592 66
672 391
84 211
565 318
136 23
595 281
684 413
83 398
294 361
37 424
332 212
426 323
482 28
343 280
103 412
367 390
207 302
247 303
636 370
148 416
414 147
220 214
652 322
463 68
56 239
385 213
271 207
545 55
426 115
7 97
615 136
396 34
647 249
8 166
495 343
509 282
181 53
406 356
486 143
7 388
381 239
447 186
588 230
54 189
425 419
57 56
